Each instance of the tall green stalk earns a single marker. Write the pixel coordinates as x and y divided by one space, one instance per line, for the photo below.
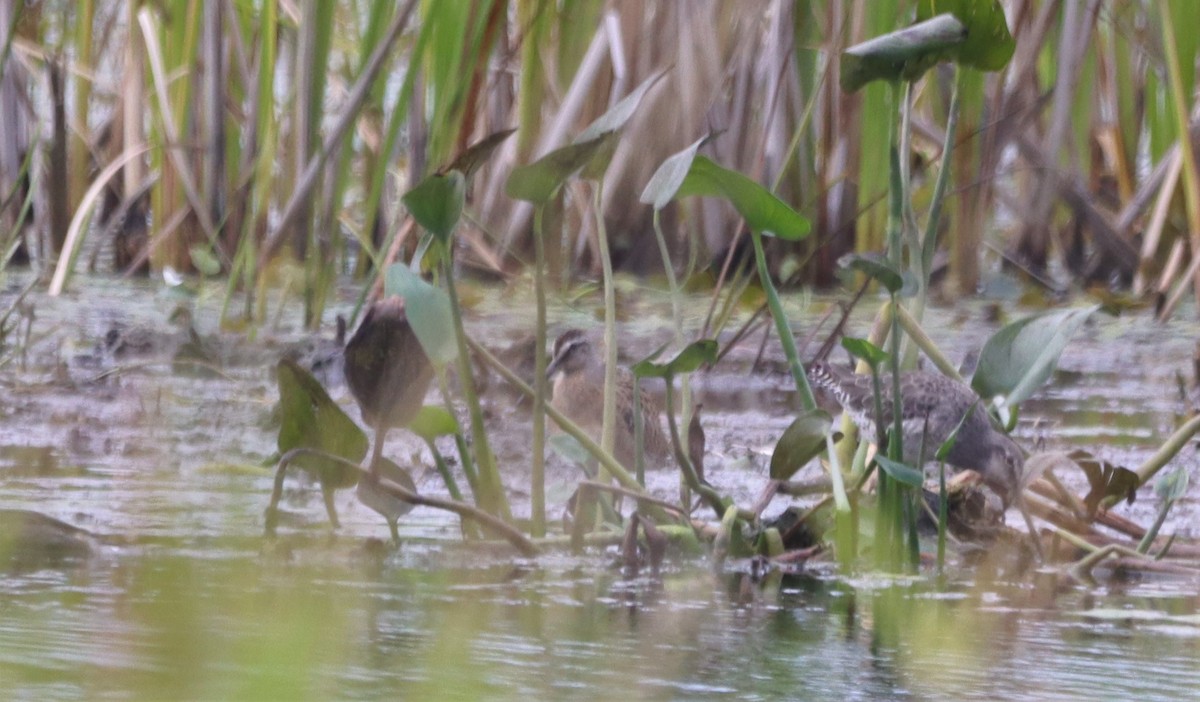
537 479
491 495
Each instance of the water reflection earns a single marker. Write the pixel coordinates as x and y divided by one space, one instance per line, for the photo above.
191 603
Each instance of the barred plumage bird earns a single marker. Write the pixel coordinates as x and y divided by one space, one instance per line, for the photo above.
932 407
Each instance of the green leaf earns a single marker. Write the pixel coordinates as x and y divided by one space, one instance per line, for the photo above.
875 267
803 440
616 116
865 350
204 260
667 180
762 211
569 448
437 203
988 45
428 310
1172 486
433 421
902 55
478 153
382 502
901 472
310 419
689 359
1019 358
537 182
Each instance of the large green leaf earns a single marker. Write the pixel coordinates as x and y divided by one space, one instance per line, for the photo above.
310 419
428 310
803 440
670 175
1021 356
762 211
689 359
988 45
903 55
537 182
437 203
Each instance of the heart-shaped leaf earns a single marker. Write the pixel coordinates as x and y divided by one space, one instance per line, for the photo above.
802 441
537 182
762 211
902 55
689 359
1019 358
310 419
437 203
667 180
616 116
428 310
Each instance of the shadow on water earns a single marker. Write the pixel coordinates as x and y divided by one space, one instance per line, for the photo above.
178 596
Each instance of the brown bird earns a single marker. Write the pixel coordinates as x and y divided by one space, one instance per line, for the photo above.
386 369
933 407
576 373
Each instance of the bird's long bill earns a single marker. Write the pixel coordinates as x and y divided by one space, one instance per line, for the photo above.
552 367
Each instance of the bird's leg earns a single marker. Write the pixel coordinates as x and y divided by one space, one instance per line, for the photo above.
1019 502
381 430
327 496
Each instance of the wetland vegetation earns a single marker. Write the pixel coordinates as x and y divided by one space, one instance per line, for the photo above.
241 239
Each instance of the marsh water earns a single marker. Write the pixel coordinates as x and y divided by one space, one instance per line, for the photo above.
168 463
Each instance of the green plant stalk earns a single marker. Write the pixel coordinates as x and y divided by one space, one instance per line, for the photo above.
1152 533
781 325
677 319
798 376
444 471
943 517
1163 455
537 480
78 156
928 243
1179 101
608 427
896 188
491 495
377 177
